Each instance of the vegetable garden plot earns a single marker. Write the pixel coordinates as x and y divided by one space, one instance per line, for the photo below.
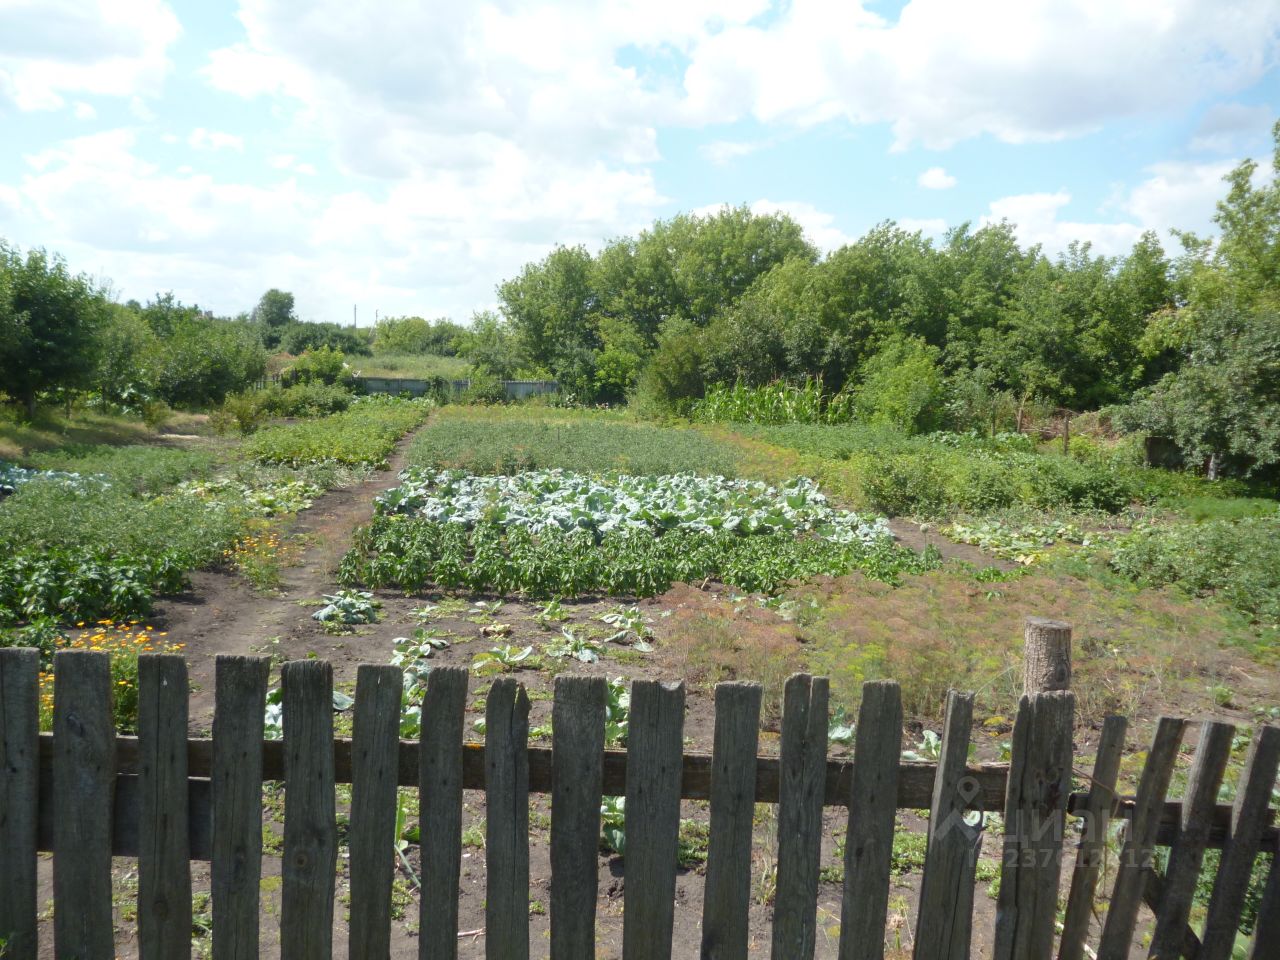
549 533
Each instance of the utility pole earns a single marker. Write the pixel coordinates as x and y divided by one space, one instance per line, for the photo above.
353 316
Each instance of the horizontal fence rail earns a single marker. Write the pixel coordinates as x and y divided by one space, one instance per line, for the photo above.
87 794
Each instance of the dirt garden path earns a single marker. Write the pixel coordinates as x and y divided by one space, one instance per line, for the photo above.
223 613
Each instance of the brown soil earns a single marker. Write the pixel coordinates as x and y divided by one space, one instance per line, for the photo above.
224 614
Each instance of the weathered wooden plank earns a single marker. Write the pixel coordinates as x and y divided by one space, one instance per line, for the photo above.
1034 818
240 694
727 894
945 918
19 798
1266 931
439 774
868 848
371 839
655 740
577 722
506 840
83 785
1250 812
310 832
164 857
1187 853
1139 841
802 759
1096 813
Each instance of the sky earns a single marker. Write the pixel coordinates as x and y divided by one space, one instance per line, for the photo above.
405 157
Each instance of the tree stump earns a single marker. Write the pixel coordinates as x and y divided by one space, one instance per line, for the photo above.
1047 661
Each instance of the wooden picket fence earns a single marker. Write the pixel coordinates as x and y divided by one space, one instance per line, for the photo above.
88 795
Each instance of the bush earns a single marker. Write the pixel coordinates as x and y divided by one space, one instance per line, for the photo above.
1236 560
902 386
324 365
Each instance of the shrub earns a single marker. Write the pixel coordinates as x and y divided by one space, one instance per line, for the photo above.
323 365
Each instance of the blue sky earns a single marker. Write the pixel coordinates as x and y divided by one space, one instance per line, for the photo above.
407 157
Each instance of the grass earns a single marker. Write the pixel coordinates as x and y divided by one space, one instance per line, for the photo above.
147 468
505 440
52 429
410 366
365 435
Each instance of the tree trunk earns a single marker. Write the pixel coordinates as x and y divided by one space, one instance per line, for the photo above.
29 402
1212 470
1047 660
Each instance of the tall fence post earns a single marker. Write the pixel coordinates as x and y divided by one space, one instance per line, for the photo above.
1035 809
19 797
1047 657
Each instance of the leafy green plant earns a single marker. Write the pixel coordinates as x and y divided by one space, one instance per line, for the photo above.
613 824
348 607
569 644
364 434
551 612
501 659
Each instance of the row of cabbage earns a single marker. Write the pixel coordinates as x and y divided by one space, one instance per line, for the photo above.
555 533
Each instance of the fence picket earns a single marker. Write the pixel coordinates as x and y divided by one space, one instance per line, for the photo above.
375 752
577 724
802 764
945 918
868 845
1139 841
240 694
84 780
310 833
1248 815
164 854
1034 817
1266 932
1187 852
1096 815
655 747
506 842
727 895
19 798
444 708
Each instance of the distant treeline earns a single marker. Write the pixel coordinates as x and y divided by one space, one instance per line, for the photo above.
1183 343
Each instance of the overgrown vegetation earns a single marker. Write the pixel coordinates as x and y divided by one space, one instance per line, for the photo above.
513 440
364 434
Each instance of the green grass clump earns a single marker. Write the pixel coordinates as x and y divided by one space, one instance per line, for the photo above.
410 554
1237 561
508 440
141 468
364 435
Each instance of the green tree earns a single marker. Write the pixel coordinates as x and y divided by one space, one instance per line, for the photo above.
491 346
415 335
1222 407
275 309
128 349
902 386
48 325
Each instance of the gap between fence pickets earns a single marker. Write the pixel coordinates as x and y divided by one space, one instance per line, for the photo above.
915 786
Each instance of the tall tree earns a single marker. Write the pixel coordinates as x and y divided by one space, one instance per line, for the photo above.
275 309
48 322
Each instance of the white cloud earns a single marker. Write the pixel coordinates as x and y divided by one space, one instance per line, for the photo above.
1173 195
936 178
1225 127
49 48
432 243
1019 70
202 139
83 111
723 152
930 226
